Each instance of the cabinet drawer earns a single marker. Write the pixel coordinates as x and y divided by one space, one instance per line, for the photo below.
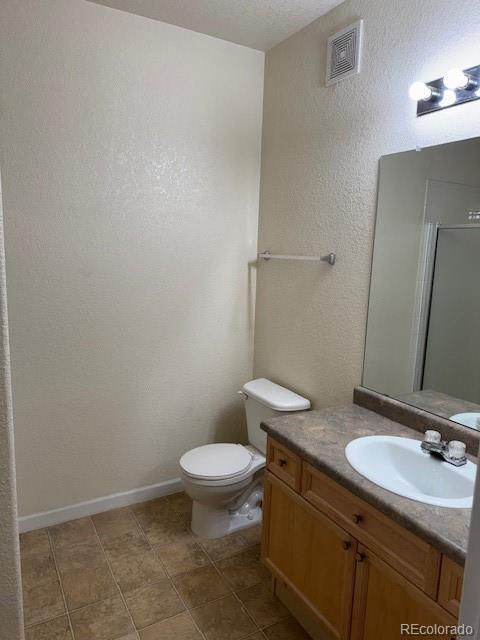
408 554
450 589
284 464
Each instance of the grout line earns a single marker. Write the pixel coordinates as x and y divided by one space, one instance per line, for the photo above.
170 577
243 607
115 580
202 635
247 612
36 624
60 583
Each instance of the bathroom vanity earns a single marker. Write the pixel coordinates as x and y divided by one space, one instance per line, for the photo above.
348 558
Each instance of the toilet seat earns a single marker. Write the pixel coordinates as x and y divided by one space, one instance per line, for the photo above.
217 462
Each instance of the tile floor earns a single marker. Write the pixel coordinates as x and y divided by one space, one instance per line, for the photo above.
139 573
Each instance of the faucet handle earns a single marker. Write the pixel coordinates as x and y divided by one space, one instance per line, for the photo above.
456 450
433 437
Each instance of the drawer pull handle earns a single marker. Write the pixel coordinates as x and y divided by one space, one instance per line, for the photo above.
346 545
360 557
282 462
357 518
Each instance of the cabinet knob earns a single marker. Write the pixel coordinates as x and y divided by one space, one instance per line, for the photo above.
360 557
357 518
282 462
346 545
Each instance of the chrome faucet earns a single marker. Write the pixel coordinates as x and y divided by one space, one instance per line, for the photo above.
452 452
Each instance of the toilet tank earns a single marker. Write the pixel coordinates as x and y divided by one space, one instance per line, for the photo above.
265 399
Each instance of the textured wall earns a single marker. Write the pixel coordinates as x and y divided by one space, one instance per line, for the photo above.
320 155
130 158
11 620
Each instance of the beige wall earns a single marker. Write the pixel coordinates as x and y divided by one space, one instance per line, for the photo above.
320 155
11 619
130 158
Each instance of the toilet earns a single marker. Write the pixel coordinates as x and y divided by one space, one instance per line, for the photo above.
225 481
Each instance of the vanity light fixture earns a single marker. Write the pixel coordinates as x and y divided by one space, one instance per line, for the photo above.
456 87
421 91
449 97
458 79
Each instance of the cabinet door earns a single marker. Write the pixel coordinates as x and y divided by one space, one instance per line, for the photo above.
313 556
451 584
385 600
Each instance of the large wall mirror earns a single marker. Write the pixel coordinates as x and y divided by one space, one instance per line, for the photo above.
423 331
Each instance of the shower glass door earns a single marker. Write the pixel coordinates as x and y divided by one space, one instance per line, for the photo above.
452 353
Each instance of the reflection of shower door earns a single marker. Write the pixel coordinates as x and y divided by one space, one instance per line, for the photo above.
452 355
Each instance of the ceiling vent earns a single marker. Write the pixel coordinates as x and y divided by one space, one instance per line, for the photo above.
343 53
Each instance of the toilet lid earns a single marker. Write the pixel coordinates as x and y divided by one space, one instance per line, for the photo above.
214 461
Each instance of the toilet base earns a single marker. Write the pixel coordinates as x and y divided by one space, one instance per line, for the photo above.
213 522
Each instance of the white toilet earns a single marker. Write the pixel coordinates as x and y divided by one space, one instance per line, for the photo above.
225 480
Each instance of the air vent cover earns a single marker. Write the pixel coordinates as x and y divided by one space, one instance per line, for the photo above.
343 53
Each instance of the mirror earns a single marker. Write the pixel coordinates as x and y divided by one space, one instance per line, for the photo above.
423 329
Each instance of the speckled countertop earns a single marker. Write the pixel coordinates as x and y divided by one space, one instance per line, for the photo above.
439 403
320 438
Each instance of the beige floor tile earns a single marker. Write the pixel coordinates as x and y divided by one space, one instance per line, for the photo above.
160 510
71 533
153 603
160 533
182 556
180 627
243 569
125 545
137 569
38 568
34 542
83 587
114 523
256 636
85 575
219 548
57 629
106 620
252 535
200 586
42 602
181 503
81 556
287 629
223 620
264 607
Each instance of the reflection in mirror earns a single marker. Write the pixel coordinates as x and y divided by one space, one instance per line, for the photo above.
423 330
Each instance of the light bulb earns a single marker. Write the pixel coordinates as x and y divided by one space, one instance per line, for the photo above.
448 98
419 91
456 79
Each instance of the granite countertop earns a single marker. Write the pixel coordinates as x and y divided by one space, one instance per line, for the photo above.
320 437
439 403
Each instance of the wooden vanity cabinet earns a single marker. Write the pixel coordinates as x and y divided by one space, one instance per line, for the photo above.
284 464
415 559
312 555
450 589
343 568
384 600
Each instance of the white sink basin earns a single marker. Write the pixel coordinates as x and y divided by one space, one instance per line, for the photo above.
470 419
399 465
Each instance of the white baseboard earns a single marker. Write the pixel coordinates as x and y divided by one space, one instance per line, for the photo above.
88 508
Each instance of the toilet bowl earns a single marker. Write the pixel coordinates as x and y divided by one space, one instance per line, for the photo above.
224 480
